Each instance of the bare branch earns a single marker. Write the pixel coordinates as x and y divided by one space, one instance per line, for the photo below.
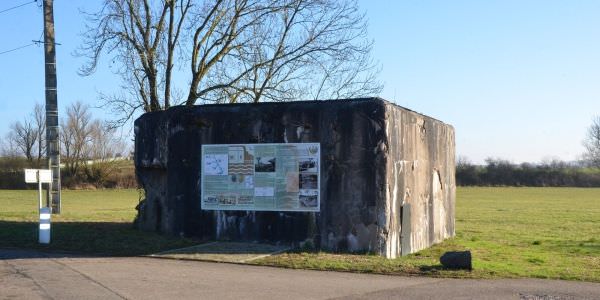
236 50
592 143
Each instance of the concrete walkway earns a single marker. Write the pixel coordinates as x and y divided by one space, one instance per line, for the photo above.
232 252
34 275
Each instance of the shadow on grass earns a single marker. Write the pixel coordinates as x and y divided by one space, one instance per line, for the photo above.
90 238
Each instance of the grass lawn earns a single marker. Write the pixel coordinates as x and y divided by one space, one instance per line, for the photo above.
512 232
92 221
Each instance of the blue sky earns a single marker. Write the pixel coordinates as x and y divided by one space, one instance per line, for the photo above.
519 80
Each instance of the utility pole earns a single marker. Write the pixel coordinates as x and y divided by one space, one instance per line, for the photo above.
52 144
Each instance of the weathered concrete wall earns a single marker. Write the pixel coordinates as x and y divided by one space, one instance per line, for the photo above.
420 181
387 173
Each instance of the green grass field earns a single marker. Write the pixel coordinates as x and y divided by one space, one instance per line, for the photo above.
512 232
92 221
534 232
77 205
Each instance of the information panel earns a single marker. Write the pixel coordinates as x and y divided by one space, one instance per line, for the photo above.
262 177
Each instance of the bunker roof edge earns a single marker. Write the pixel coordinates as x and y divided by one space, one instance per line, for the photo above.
365 99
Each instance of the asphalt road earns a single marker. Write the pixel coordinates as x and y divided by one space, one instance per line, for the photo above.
34 275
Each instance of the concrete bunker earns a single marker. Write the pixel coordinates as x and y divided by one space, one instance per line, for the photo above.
386 174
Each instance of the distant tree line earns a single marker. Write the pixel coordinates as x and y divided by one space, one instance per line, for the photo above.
499 172
92 153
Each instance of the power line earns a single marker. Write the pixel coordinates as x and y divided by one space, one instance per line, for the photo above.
11 8
25 46
15 49
42 42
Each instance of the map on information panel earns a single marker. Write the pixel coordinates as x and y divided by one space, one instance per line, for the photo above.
267 177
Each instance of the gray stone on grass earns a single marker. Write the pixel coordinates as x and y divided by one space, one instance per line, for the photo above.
457 260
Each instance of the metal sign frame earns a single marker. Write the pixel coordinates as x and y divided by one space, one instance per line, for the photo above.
40 176
305 195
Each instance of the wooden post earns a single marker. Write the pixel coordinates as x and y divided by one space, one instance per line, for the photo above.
52 141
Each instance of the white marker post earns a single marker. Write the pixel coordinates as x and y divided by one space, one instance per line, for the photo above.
44 236
40 176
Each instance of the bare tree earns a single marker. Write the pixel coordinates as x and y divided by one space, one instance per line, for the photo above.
104 152
308 49
76 134
27 138
592 143
106 145
88 145
236 51
8 148
143 35
24 136
39 119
